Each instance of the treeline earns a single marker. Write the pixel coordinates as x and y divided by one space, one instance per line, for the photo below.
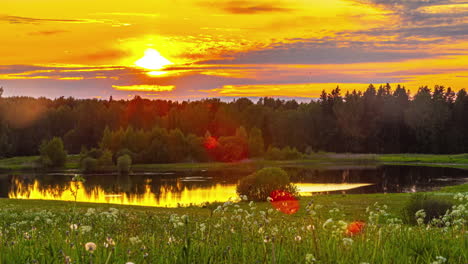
378 120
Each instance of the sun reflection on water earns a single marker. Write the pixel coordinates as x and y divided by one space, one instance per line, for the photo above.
163 197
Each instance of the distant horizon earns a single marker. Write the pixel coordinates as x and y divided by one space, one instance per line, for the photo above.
300 99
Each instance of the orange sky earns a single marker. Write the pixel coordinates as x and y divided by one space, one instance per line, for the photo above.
182 49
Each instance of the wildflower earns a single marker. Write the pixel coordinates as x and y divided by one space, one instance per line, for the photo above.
327 222
91 211
310 258
129 262
347 242
260 230
184 218
73 226
267 239
134 240
354 228
244 197
109 242
27 236
298 238
90 246
202 227
85 229
269 199
439 260
68 260
420 215
171 240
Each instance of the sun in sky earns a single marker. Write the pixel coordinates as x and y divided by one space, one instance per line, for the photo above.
152 60
225 48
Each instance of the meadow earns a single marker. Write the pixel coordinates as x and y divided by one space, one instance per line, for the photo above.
326 229
318 159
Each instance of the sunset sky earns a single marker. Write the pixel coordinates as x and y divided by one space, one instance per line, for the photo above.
191 49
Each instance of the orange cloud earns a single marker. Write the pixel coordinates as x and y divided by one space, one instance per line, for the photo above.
144 88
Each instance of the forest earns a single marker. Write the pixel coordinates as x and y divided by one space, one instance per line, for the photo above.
378 120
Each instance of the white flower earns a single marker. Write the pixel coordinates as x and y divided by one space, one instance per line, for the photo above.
347 242
439 260
298 238
134 240
327 222
73 226
85 229
310 259
90 246
91 211
269 199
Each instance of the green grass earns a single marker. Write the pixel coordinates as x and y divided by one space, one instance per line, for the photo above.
424 158
30 163
462 188
316 160
34 231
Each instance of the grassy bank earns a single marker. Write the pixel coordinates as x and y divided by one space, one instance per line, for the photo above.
57 232
316 160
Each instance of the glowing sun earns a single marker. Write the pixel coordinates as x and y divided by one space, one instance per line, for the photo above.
152 60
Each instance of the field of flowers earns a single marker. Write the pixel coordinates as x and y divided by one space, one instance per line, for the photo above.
243 232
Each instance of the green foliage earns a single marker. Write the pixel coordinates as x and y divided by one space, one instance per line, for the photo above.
89 164
106 158
381 119
124 164
259 185
433 207
256 143
273 153
286 153
53 153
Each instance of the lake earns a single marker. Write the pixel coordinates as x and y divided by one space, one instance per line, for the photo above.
196 187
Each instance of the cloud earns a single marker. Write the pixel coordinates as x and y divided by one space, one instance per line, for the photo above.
32 20
319 53
428 12
244 7
144 88
48 32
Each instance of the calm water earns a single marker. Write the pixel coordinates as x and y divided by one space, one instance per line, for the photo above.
173 189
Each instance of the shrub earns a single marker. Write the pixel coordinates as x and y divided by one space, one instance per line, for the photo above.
433 207
273 153
89 164
124 163
52 153
289 153
123 152
106 158
259 185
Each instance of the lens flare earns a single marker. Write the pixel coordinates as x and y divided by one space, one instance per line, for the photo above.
284 202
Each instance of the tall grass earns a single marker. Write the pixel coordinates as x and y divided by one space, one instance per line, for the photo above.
234 233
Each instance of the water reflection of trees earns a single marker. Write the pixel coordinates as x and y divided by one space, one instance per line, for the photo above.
384 179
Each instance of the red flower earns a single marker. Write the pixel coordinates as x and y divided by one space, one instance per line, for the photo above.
355 228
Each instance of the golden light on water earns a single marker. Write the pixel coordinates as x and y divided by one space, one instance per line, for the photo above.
194 196
164 198
306 189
